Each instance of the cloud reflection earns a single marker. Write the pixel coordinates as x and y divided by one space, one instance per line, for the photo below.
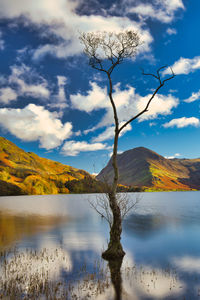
189 264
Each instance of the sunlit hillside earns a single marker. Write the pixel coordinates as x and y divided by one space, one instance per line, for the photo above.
26 173
145 168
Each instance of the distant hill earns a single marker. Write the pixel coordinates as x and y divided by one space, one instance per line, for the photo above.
145 168
23 173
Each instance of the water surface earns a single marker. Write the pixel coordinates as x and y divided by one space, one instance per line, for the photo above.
61 237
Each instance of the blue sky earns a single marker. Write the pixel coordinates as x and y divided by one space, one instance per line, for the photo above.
54 104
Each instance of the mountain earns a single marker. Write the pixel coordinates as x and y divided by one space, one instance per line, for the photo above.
145 168
25 173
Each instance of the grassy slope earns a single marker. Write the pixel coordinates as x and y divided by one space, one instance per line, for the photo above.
143 167
27 173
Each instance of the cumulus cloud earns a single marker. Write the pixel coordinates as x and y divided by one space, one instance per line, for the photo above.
34 123
183 122
161 105
184 66
193 97
128 104
69 32
62 21
109 133
94 99
163 11
7 94
73 148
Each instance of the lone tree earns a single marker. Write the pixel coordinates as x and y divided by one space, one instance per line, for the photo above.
106 51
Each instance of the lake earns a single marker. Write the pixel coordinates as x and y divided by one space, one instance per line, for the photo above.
50 248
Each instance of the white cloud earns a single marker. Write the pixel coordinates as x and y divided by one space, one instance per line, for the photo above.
70 34
118 152
128 104
184 66
34 123
95 174
73 148
20 75
2 43
105 135
163 11
183 122
160 105
94 99
193 97
26 82
152 124
23 81
59 100
173 91
109 133
173 156
97 98
62 80
7 94
171 31
62 21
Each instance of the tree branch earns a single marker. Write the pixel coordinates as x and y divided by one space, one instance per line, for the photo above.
161 84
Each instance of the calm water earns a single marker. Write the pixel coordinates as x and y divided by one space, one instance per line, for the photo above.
62 237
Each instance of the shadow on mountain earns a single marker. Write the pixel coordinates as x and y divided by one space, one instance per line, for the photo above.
193 180
9 189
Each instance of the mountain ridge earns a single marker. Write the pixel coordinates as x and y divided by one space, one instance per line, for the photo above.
27 173
145 168
139 168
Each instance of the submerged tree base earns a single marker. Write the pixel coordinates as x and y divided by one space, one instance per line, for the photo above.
113 252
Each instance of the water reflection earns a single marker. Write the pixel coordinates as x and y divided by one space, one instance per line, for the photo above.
145 225
46 274
62 257
188 264
116 278
15 227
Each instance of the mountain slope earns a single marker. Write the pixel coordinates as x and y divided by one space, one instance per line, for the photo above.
26 173
145 168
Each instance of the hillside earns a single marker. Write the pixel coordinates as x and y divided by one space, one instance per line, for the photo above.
145 168
26 173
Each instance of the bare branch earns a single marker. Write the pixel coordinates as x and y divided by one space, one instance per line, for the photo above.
161 84
101 206
149 74
110 46
125 202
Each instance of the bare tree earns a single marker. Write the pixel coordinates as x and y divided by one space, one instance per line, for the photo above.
126 205
107 50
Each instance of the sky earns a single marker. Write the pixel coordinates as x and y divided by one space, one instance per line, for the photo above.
54 104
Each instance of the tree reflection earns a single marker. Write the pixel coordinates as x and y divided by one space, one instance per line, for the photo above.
116 278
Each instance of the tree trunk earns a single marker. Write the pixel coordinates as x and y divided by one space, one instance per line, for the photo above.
115 249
